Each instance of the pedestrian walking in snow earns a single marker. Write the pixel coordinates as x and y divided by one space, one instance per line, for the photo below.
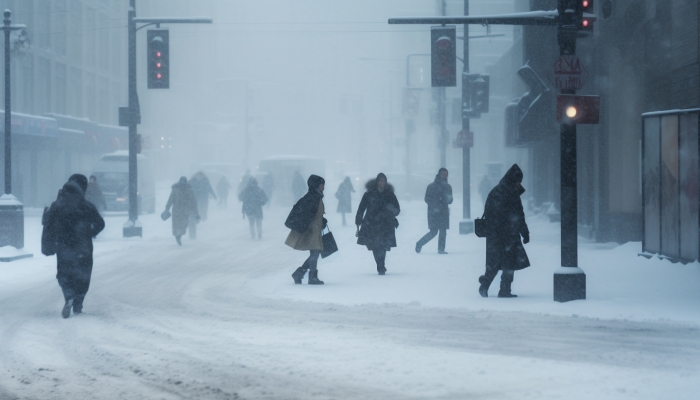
94 195
202 190
298 186
438 196
376 219
306 222
253 198
70 224
344 196
222 189
505 221
184 205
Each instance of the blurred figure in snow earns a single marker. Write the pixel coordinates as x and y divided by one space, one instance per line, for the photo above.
505 222
184 205
94 195
253 199
222 189
376 219
202 190
438 196
344 196
70 224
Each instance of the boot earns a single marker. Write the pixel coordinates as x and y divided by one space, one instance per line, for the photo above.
178 239
298 275
484 287
381 270
505 290
65 313
418 247
313 278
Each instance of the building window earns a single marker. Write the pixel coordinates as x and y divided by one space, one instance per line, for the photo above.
59 33
60 89
90 98
43 98
103 30
76 26
27 85
75 92
90 36
103 94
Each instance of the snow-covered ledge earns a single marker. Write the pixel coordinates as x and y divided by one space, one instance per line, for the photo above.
568 270
9 200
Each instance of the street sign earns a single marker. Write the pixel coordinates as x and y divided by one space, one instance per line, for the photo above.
569 73
578 109
464 139
410 103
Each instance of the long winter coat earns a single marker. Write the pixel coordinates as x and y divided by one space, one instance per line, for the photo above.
344 196
306 219
506 223
253 198
184 205
438 196
70 224
376 217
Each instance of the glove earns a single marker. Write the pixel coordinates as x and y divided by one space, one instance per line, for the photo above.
526 239
325 224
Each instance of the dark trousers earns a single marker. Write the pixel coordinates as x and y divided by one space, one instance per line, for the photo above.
74 278
312 261
430 235
507 276
380 258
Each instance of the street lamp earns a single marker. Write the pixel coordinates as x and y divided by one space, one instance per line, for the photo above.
11 210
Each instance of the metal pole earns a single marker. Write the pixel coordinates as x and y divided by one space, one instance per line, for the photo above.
8 109
442 114
466 151
133 111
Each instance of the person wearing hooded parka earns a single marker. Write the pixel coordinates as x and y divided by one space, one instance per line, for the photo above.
184 203
505 219
306 222
438 196
376 219
69 226
253 198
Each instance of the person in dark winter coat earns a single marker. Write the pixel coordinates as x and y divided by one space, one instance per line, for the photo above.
70 224
438 196
306 222
184 204
222 189
94 195
344 196
505 219
376 219
253 199
298 186
202 189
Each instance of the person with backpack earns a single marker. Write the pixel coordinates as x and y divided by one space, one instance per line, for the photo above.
306 222
376 219
69 226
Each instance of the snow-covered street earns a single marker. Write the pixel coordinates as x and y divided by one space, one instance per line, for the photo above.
220 318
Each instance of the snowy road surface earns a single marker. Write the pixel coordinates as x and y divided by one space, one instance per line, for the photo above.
220 318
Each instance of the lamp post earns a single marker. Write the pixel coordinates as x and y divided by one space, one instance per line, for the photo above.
11 210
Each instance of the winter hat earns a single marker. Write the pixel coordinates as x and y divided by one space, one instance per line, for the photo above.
79 179
314 181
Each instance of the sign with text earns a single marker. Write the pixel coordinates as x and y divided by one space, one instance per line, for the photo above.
569 73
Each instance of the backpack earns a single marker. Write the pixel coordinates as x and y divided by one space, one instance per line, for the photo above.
49 239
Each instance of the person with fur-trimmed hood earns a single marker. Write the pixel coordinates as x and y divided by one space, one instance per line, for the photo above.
184 203
306 222
376 219
505 221
69 226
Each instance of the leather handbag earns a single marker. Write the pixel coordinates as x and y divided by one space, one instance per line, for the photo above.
329 245
481 227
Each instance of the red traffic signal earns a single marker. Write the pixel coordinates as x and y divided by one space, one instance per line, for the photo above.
578 109
158 47
587 17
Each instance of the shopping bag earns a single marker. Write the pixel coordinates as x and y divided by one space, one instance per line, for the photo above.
481 228
329 245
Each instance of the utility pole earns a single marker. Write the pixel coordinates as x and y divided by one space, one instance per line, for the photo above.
11 209
442 112
466 225
131 115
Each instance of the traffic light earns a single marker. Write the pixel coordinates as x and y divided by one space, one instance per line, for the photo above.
158 57
587 9
480 94
443 56
578 109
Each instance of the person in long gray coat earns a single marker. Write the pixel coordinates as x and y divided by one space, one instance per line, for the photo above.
438 196
184 204
344 196
505 219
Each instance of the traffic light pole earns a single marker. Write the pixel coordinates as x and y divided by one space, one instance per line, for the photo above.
467 224
132 117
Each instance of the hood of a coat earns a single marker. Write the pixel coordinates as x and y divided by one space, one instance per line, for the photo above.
181 184
314 181
513 175
372 185
439 180
252 182
80 180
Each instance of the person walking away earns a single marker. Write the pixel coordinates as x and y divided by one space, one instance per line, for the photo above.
184 205
306 222
438 196
344 196
71 223
505 219
253 198
202 189
298 187
94 195
376 219
222 189
268 186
